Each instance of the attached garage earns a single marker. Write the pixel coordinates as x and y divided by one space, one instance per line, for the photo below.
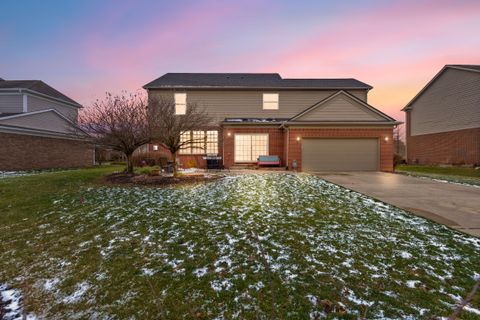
340 154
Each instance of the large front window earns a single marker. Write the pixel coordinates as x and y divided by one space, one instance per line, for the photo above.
199 142
248 147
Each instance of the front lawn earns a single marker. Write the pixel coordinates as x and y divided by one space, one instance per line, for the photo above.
251 246
463 175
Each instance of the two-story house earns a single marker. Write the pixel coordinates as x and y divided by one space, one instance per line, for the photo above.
317 124
443 119
38 126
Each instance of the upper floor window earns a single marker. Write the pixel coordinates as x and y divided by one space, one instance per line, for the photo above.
180 103
270 101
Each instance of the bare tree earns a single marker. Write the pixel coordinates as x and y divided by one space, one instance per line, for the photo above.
399 144
119 122
168 126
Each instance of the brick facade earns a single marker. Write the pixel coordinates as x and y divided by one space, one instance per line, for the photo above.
275 142
283 142
386 146
453 147
26 152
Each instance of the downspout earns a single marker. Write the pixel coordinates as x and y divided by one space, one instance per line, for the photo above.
288 144
223 144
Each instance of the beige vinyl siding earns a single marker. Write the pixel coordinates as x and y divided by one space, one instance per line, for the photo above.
37 104
340 108
43 121
11 103
451 102
222 104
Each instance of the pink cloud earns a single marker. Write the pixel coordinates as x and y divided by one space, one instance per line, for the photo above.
161 39
397 46
359 37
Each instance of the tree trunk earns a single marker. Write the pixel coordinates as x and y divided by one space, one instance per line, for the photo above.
129 163
174 164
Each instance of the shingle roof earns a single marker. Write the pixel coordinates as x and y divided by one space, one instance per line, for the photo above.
249 80
36 85
474 67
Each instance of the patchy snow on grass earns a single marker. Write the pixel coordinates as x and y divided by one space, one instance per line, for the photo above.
80 290
148 272
263 240
219 285
412 283
13 174
50 284
405 255
200 272
459 180
11 304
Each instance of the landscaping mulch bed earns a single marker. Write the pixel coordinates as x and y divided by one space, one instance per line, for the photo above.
158 180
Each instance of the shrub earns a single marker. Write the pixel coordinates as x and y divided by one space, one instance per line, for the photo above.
145 170
150 159
398 159
191 164
122 163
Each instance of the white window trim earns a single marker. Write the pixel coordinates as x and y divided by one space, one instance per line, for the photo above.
249 134
178 105
271 93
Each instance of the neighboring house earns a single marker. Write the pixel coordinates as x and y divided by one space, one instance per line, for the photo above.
38 128
319 124
443 119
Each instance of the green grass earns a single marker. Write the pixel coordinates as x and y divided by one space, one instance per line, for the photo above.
22 196
248 247
146 169
451 174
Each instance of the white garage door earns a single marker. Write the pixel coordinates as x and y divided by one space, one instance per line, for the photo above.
339 154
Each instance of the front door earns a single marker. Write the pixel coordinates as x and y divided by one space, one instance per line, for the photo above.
248 147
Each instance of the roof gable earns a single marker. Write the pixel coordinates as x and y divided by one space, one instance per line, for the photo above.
48 120
464 67
341 107
37 86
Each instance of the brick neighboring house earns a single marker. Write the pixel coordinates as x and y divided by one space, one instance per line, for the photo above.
443 119
321 124
37 128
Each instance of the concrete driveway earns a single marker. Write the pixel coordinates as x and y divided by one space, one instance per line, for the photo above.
456 206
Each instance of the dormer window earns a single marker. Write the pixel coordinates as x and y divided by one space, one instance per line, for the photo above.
270 101
180 103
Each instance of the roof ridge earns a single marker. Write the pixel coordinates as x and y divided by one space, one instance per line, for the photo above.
222 73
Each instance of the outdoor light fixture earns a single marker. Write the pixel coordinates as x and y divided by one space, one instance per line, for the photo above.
386 138
298 138
155 147
229 134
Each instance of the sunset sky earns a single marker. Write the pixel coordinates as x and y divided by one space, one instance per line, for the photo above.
84 48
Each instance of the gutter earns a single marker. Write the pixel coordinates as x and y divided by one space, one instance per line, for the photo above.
345 123
257 88
39 133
